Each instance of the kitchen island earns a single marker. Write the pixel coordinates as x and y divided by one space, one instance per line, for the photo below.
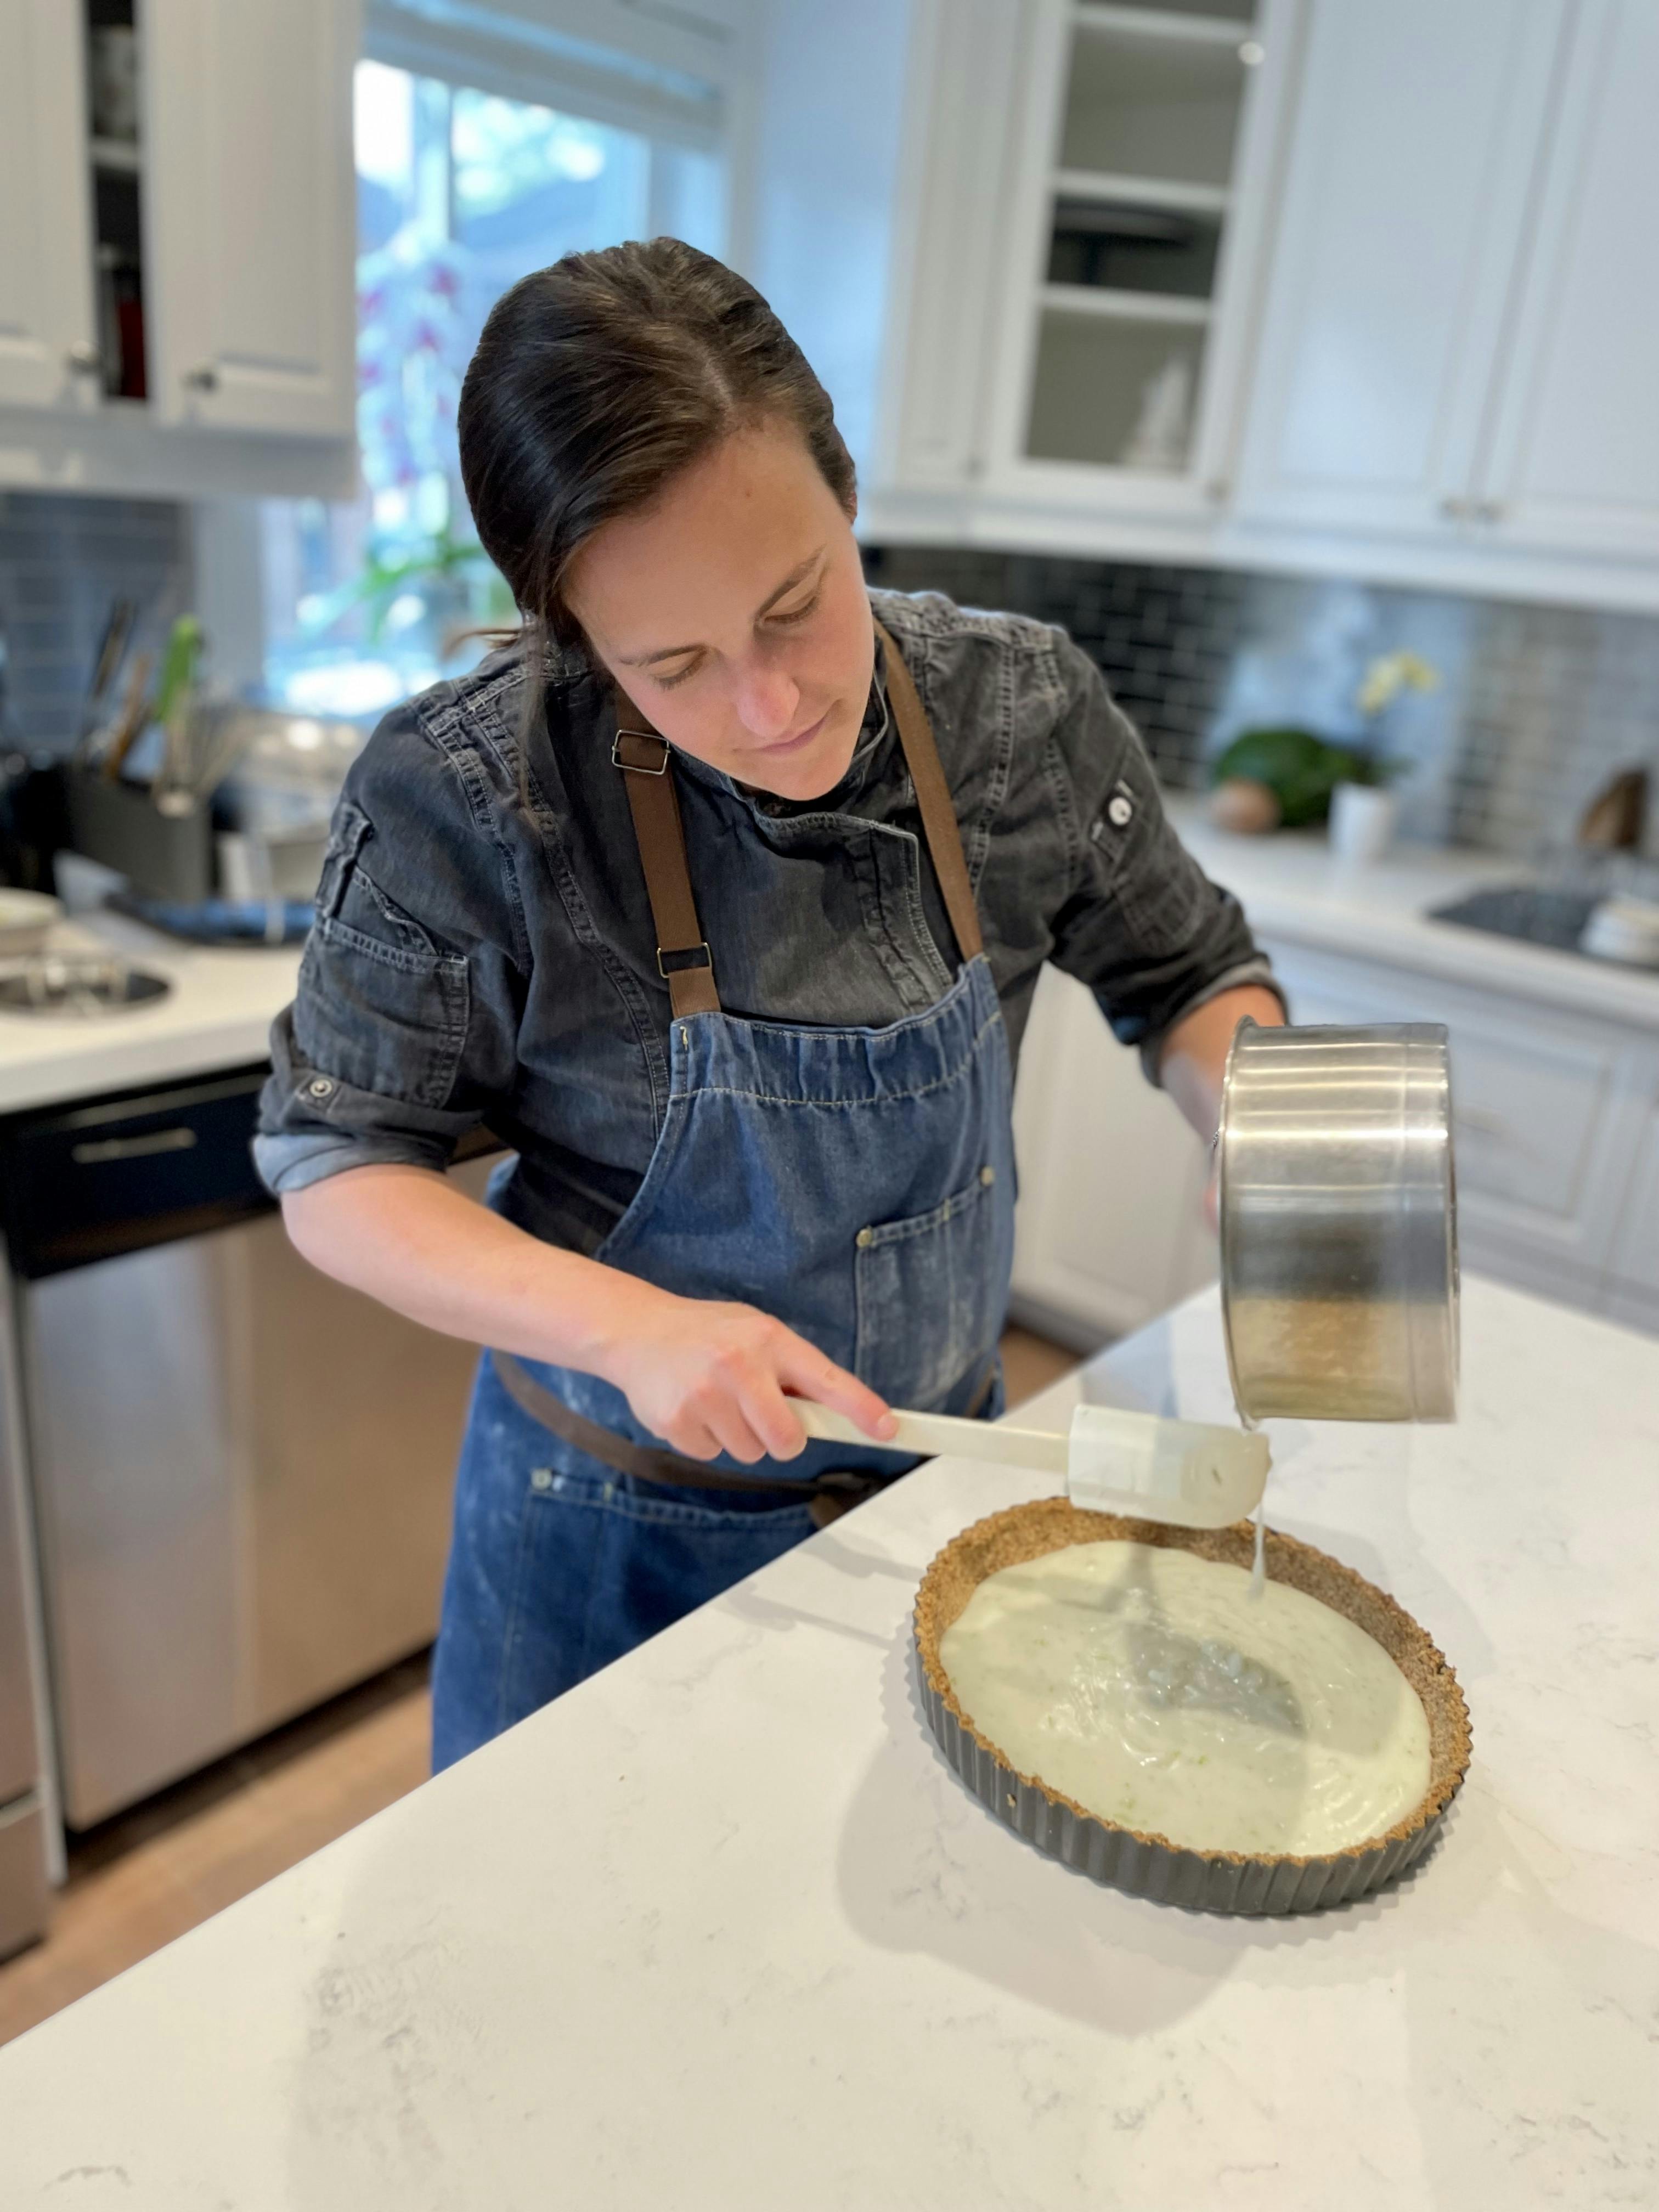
720 1928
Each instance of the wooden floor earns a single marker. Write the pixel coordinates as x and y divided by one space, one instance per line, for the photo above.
154 1873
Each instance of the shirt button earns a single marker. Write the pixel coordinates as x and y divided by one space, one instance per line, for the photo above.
1120 812
864 1238
320 1086
541 1478
987 1176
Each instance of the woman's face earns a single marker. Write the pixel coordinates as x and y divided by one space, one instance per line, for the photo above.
732 610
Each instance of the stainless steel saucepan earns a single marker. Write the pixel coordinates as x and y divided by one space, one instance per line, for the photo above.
1338 1223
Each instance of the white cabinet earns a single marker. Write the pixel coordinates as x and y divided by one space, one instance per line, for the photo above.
48 345
1460 345
1575 454
251 216
1406 201
1084 204
176 306
1110 1228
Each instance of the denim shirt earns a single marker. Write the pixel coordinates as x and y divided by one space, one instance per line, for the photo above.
482 951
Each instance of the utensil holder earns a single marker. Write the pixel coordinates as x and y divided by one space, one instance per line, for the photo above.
166 856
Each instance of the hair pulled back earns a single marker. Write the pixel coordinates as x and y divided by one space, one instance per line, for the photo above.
597 381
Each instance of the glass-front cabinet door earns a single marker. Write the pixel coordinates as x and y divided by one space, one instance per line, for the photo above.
1143 194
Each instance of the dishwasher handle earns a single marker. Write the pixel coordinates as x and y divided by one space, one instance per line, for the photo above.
100 1151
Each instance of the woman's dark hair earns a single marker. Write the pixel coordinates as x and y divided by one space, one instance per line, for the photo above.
597 381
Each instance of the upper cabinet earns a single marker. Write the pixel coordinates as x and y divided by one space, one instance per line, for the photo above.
1406 200
1573 461
1085 210
178 315
1460 351
48 347
252 214
1125 287
1356 286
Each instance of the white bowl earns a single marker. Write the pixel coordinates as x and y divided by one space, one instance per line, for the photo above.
25 918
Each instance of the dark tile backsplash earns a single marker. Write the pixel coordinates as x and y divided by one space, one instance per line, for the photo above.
63 560
1538 706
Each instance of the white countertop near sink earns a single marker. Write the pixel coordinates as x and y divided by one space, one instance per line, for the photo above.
722 1929
218 1014
1292 888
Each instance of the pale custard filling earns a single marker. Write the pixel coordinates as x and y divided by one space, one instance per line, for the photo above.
1149 1685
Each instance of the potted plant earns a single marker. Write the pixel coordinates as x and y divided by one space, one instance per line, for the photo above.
1364 809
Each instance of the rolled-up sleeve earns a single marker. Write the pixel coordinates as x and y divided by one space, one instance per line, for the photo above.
402 1032
1145 927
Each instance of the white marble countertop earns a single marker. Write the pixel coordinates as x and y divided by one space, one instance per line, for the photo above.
720 1929
1292 888
218 1014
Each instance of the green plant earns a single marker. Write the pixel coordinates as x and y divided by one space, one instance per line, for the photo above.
1300 770
412 567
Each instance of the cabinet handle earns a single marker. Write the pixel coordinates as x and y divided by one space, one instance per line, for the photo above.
1453 509
1217 490
83 358
1490 510
104 1149
205 379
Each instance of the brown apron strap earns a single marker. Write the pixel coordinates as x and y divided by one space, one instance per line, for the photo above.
645 1461
682 956
939 814
683 959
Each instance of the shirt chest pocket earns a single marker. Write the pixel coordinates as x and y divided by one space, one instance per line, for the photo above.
380 1006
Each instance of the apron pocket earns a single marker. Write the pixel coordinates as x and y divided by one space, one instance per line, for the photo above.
928 1292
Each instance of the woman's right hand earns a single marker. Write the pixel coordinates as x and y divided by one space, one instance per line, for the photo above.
709 1378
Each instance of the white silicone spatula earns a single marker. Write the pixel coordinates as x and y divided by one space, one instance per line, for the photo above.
1189 1472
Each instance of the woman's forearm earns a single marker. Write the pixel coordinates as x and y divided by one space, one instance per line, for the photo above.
708 1375
412 1240
1195 1057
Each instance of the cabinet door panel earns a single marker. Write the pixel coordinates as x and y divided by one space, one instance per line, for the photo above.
1109 1231
251 214
1635 1256
1405 205
967 61
1575 463
45 222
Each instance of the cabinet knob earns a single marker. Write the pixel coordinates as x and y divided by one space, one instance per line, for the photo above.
1217 489
1490 510
205 379
1453 509
83 358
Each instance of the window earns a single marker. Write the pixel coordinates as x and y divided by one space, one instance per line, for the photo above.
460 191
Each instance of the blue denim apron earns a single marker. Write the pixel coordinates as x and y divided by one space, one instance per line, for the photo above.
858 1184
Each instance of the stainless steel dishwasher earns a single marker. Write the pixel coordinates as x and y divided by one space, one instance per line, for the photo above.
240 1471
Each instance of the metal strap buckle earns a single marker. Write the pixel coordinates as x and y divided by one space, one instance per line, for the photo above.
684 956
638 768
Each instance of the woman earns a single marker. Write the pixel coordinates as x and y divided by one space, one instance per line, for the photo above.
742 996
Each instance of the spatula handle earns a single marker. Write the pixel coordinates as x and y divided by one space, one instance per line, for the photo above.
1043 1450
